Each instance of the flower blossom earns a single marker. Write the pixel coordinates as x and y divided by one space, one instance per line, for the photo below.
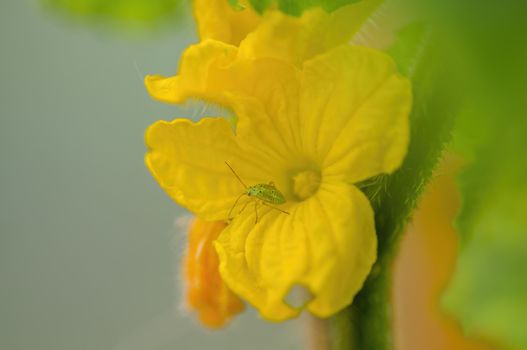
218 20
313 128
206 293
277 35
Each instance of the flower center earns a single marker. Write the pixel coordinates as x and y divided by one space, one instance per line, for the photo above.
306 183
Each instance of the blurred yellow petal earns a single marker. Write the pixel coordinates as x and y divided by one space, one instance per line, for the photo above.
296 39
327 245
216 19
354 107
205 291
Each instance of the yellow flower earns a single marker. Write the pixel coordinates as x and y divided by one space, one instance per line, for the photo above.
275 34
217 20
314 130
205 291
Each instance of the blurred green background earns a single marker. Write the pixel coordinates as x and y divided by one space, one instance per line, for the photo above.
89 248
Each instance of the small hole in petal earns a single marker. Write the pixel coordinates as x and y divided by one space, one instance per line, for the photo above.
298 296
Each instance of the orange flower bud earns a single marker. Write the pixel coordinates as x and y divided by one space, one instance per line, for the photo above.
206 293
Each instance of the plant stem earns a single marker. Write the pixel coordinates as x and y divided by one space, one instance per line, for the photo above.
367 323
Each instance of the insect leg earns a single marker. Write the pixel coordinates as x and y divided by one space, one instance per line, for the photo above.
244 206
256 211
272 206
236 202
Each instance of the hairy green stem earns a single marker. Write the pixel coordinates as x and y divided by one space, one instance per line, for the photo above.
367 323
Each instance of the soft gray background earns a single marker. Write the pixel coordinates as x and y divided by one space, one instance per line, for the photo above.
88 244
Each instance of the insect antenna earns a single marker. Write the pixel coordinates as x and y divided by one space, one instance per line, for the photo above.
239 179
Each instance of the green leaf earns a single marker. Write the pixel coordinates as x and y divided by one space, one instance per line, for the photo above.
407 51
121 12
235 4
488 293
296 7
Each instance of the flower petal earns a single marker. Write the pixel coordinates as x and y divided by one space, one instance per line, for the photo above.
327 244
188 160
192 79
216 19
349 220
212 71
244 278
355 108
296 39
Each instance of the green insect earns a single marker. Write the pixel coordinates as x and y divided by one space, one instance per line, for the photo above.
265 194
